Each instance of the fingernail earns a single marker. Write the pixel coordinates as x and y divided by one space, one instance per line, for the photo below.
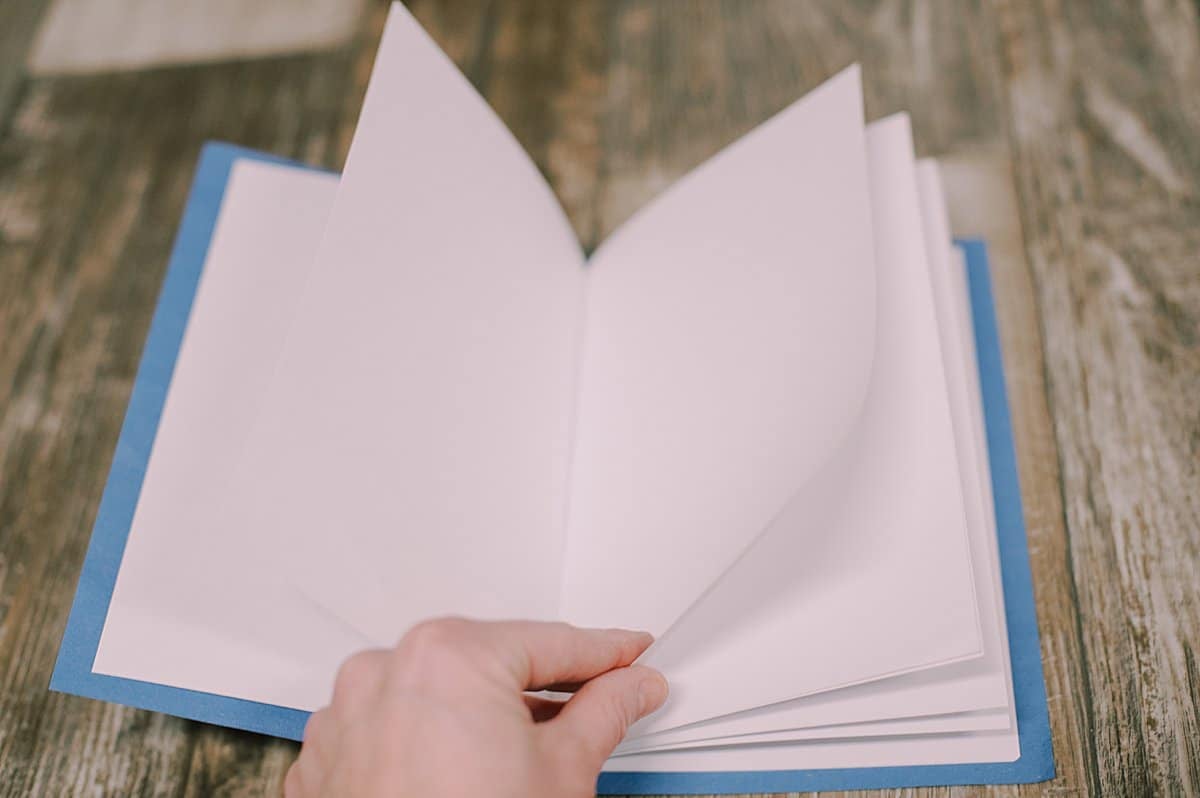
652 692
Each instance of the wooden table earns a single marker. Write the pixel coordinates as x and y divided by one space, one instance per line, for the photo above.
1072 130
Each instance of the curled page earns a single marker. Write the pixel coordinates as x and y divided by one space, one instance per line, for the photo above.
973 689
411 456
728 346
867 572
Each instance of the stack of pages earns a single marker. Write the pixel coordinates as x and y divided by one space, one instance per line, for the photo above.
765 421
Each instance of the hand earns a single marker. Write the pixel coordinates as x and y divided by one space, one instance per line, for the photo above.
445 713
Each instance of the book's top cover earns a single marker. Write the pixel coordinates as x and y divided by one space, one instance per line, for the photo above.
73 670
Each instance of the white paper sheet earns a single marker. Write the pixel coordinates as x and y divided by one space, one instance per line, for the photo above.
986 720
709 388
413 459
960 688
948 269
191 607
867 573
989 746
953 283
932 749
948 274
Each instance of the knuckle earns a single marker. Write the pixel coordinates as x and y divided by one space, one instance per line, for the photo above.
435 634
357 676
431 647
355 673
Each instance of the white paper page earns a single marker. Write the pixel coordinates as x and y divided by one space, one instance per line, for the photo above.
950 273
949 270
709 389
963 687
413 459
997 746
960 687
867 573
191 608
985 720
930 749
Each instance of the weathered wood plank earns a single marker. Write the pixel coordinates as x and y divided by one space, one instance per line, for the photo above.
982 202
541 66
18 21
93 176
1104 115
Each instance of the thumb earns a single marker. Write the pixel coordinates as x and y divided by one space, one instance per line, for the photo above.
595 719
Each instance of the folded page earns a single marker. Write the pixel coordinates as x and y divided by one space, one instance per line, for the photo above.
412 455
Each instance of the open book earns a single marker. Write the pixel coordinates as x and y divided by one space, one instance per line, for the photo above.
751 423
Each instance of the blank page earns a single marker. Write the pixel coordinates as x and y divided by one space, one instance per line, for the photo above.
910 751
958 688
728 345
984 720
867 572
804 750
191 607
412 452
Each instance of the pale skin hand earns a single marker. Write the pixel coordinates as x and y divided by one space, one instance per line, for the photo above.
445 713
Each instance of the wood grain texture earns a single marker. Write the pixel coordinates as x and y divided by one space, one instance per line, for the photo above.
1104 119
18 21
1071 137
93 176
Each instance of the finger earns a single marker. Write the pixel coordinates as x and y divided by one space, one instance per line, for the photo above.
541 655
308 777
292 787
595 720
543 709
303 777
316 744
357 681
